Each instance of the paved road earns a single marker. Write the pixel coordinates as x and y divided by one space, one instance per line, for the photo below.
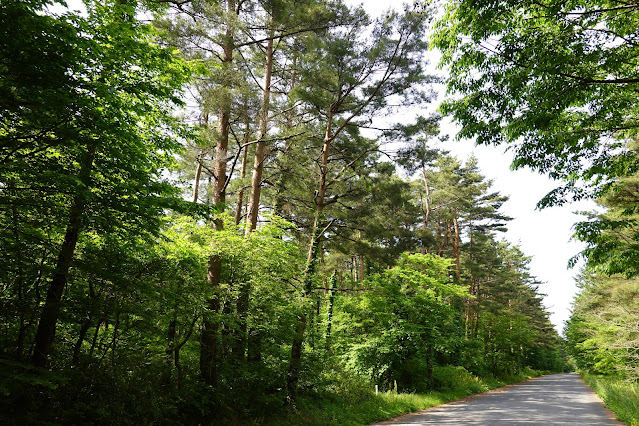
558 399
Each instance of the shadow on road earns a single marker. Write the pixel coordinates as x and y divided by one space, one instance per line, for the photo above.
561 399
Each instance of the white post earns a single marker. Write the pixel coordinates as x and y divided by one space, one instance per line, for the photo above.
376 389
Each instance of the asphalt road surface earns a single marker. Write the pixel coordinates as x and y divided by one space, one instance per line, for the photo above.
558 399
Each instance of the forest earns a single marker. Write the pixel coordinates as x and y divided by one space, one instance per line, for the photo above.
240 211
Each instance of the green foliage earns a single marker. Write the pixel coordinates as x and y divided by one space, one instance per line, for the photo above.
449 377
405 316
612 237
620 396
553 79
359 405
602 331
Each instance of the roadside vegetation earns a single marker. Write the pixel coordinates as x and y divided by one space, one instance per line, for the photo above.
620 396
359 406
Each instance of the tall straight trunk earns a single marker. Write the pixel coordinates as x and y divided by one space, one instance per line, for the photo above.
209 341
331 302
281 184
454 238
19 285
198 168
475 311
240 195
84 327
292 377
198 174
94 341
440 239
295 363
457 249
260 150
51 309
240 336
362 264
426 209
170 337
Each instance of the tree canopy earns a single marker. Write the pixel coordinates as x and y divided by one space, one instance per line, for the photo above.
555 81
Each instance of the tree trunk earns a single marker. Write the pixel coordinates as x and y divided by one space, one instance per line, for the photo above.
292 377
198 174
209 340
260 150
427 211
427 208
329 316
170 338
440 239
84 327
51 309
240 196
94 341
278 206
454 238
457 249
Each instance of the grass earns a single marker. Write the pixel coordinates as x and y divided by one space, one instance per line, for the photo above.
619 396
361 408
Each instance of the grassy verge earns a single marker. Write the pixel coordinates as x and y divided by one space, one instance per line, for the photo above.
619 396
363 408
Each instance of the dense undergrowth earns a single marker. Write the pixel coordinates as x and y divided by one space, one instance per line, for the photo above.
622 397
30 397
360 405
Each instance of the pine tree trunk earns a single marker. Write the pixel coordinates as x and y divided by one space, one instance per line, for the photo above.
311 264
427 211
198 174
457 249
440 239
278 206
260 150
292 377
427 208
329 316
51 309
209 341
240 196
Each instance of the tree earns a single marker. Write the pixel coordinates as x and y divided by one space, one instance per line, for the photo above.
612 236
602 331
86 134
353 80
554 80
406 316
